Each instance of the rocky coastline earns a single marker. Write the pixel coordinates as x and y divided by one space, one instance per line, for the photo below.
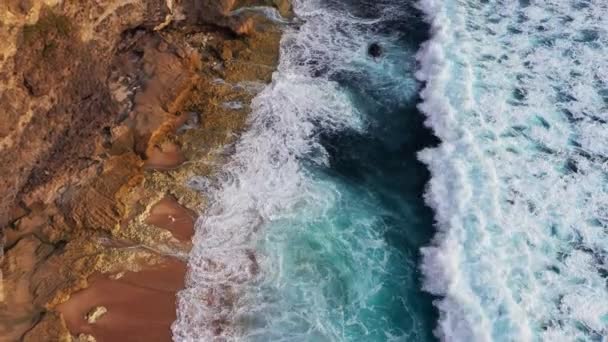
110 110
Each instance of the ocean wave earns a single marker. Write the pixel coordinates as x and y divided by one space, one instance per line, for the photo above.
282 252
516 91
263 180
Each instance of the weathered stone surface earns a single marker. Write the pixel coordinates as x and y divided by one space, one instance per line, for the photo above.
18 310
107 108
95 313
96 205
50 328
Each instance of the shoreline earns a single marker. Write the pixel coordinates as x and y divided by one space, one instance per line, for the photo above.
89 247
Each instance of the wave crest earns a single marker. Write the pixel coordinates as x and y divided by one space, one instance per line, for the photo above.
516 91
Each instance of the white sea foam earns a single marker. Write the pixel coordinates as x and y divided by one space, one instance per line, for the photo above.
265 180
234 105
269 12
517 92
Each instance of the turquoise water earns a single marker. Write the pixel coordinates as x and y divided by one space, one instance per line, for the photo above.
319 229
343 266
315 230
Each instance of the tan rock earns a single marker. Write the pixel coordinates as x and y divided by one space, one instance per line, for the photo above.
95 313
85 338
17 306
52 327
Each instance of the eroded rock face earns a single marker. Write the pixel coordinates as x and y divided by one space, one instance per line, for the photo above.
17 306
83 69
108 107
55 96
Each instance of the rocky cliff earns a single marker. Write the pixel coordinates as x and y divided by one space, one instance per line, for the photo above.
109 108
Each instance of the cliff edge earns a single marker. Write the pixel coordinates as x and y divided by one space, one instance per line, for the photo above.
110 109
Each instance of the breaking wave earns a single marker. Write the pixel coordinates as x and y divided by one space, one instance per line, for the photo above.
517 91
292 247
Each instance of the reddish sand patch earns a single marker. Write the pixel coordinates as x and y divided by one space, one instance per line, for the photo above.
170 215
164 157
140 305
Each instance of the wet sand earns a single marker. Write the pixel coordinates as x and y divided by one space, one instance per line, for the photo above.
170 215
167 156
140 305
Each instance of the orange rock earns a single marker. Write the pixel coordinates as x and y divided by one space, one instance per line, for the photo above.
99 94
17 304
96 206
167 156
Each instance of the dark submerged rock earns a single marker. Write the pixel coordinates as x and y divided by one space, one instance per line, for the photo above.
374 50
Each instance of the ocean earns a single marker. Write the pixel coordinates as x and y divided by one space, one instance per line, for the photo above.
451 188
517 91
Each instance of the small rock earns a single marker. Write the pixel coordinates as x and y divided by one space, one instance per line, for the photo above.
284 7
192 121
117 275
86 338
95 314
244 27
374 50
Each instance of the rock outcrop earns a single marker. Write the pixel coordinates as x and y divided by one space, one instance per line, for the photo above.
108 108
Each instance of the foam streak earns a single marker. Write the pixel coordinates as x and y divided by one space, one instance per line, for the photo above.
516 91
